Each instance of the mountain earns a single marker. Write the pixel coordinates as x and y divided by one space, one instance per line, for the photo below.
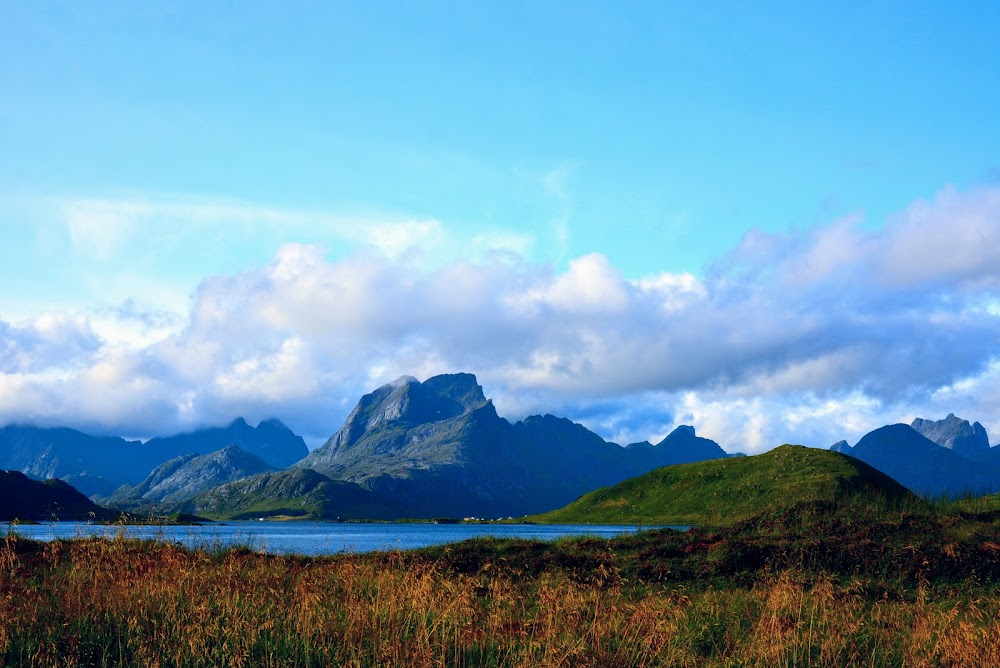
185 477
842 447
722 491
680 446
26 499
99 465
922 465
301 493
566 459
271 440
955 434
402 426
438 448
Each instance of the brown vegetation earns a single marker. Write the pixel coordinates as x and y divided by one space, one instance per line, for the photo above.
121 602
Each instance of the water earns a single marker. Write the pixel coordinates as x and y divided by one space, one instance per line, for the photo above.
318 538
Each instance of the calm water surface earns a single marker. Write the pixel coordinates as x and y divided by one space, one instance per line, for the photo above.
317 538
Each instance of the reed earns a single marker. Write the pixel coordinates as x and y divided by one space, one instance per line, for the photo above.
120 602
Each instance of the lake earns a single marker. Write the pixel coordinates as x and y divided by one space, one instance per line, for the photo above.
318 538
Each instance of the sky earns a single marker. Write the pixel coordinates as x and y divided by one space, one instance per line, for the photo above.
777 222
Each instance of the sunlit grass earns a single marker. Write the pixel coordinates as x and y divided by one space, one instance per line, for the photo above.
764 593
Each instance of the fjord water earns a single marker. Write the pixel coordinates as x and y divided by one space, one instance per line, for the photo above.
316 538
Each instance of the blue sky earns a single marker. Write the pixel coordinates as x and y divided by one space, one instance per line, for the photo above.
776 221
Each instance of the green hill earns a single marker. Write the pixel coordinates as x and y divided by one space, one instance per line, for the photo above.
299 493
722 491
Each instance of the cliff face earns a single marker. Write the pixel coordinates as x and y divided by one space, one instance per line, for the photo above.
955 434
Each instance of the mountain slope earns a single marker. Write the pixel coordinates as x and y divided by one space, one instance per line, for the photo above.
97 466
680 446
922 465
270 440
26 499
187 476
301 493
439 448
725 490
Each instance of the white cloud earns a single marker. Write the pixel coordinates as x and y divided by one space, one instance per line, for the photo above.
284 374
953 239
590 285
673 291
807 337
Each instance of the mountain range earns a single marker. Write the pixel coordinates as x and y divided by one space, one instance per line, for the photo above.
946 457
440 449
98 465
435 448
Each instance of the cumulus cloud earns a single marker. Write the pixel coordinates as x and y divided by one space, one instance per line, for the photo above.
53 341
806 337
952 241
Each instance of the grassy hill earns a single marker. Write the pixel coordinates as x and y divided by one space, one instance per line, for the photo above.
299 493
723 491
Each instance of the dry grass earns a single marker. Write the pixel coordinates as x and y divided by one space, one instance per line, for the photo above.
124 603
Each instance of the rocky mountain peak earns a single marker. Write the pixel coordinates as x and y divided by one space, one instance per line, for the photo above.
954 433
403 381
461 388
409 402
842 447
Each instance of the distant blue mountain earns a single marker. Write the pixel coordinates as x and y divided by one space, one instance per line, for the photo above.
924 466
97 465
271 440
184 477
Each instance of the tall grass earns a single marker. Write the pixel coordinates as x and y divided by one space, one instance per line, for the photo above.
120 602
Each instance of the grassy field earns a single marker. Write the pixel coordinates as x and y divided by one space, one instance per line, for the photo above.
817 584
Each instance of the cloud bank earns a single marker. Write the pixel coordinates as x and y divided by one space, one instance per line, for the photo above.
805 337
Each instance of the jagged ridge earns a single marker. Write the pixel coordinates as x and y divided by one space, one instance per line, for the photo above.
439 448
